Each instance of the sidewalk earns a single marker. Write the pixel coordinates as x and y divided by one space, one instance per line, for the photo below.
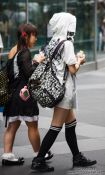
90 132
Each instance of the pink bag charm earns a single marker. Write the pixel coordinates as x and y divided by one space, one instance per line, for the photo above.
24 94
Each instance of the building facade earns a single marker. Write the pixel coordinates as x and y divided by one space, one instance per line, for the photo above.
90 31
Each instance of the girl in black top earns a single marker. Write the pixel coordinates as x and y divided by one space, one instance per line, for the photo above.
20 68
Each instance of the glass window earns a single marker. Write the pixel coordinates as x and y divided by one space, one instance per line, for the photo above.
15 12
40 11
84 38
12 13
101 28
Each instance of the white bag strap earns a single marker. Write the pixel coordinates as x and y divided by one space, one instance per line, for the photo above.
15 66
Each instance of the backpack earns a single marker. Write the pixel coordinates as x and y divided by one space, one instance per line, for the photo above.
5 91
43 85
4 86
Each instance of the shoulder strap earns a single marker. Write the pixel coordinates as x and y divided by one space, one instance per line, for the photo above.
57 48
53 55
15 65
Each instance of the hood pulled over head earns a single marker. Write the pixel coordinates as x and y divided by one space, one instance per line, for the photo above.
62 24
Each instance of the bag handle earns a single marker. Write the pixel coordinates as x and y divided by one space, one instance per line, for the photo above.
53 55
57 48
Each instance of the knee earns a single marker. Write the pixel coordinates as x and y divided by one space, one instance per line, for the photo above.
32 126
71 124
13 127
56 128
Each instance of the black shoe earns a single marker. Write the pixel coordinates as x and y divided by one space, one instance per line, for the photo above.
48 155
81 161
39 165
6 162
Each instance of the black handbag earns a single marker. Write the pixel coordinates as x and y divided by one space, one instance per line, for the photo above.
4 86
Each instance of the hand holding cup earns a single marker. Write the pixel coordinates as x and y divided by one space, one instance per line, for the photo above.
81 57
38 57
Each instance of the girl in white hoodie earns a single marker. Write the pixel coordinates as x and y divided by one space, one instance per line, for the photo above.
63 26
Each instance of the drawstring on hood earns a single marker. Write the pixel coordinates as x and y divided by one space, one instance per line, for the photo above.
63 25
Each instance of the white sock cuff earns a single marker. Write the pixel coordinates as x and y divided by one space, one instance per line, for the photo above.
35 154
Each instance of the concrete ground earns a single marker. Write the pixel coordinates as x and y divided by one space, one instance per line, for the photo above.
90 132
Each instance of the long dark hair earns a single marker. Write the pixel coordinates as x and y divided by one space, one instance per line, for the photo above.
23 31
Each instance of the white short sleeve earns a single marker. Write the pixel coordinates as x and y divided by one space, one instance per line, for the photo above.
69 55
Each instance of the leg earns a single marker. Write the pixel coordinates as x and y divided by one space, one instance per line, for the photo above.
33 134
102 46
9 136
38 163
78 158
34 137
8 158
56 126
70 133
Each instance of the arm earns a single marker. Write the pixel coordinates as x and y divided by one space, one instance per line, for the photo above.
12 52
73 61
80 60
74 68
25 63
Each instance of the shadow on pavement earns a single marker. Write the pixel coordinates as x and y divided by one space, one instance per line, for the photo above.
62 165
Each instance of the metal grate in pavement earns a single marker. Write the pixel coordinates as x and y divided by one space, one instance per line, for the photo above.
98 170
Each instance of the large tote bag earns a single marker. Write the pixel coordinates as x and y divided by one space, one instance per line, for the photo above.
43 84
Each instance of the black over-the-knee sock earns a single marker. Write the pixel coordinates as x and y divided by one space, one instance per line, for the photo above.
71 138
48 140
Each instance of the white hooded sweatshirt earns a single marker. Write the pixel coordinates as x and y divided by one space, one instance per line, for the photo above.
62 24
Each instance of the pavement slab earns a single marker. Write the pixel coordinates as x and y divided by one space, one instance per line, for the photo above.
90 132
